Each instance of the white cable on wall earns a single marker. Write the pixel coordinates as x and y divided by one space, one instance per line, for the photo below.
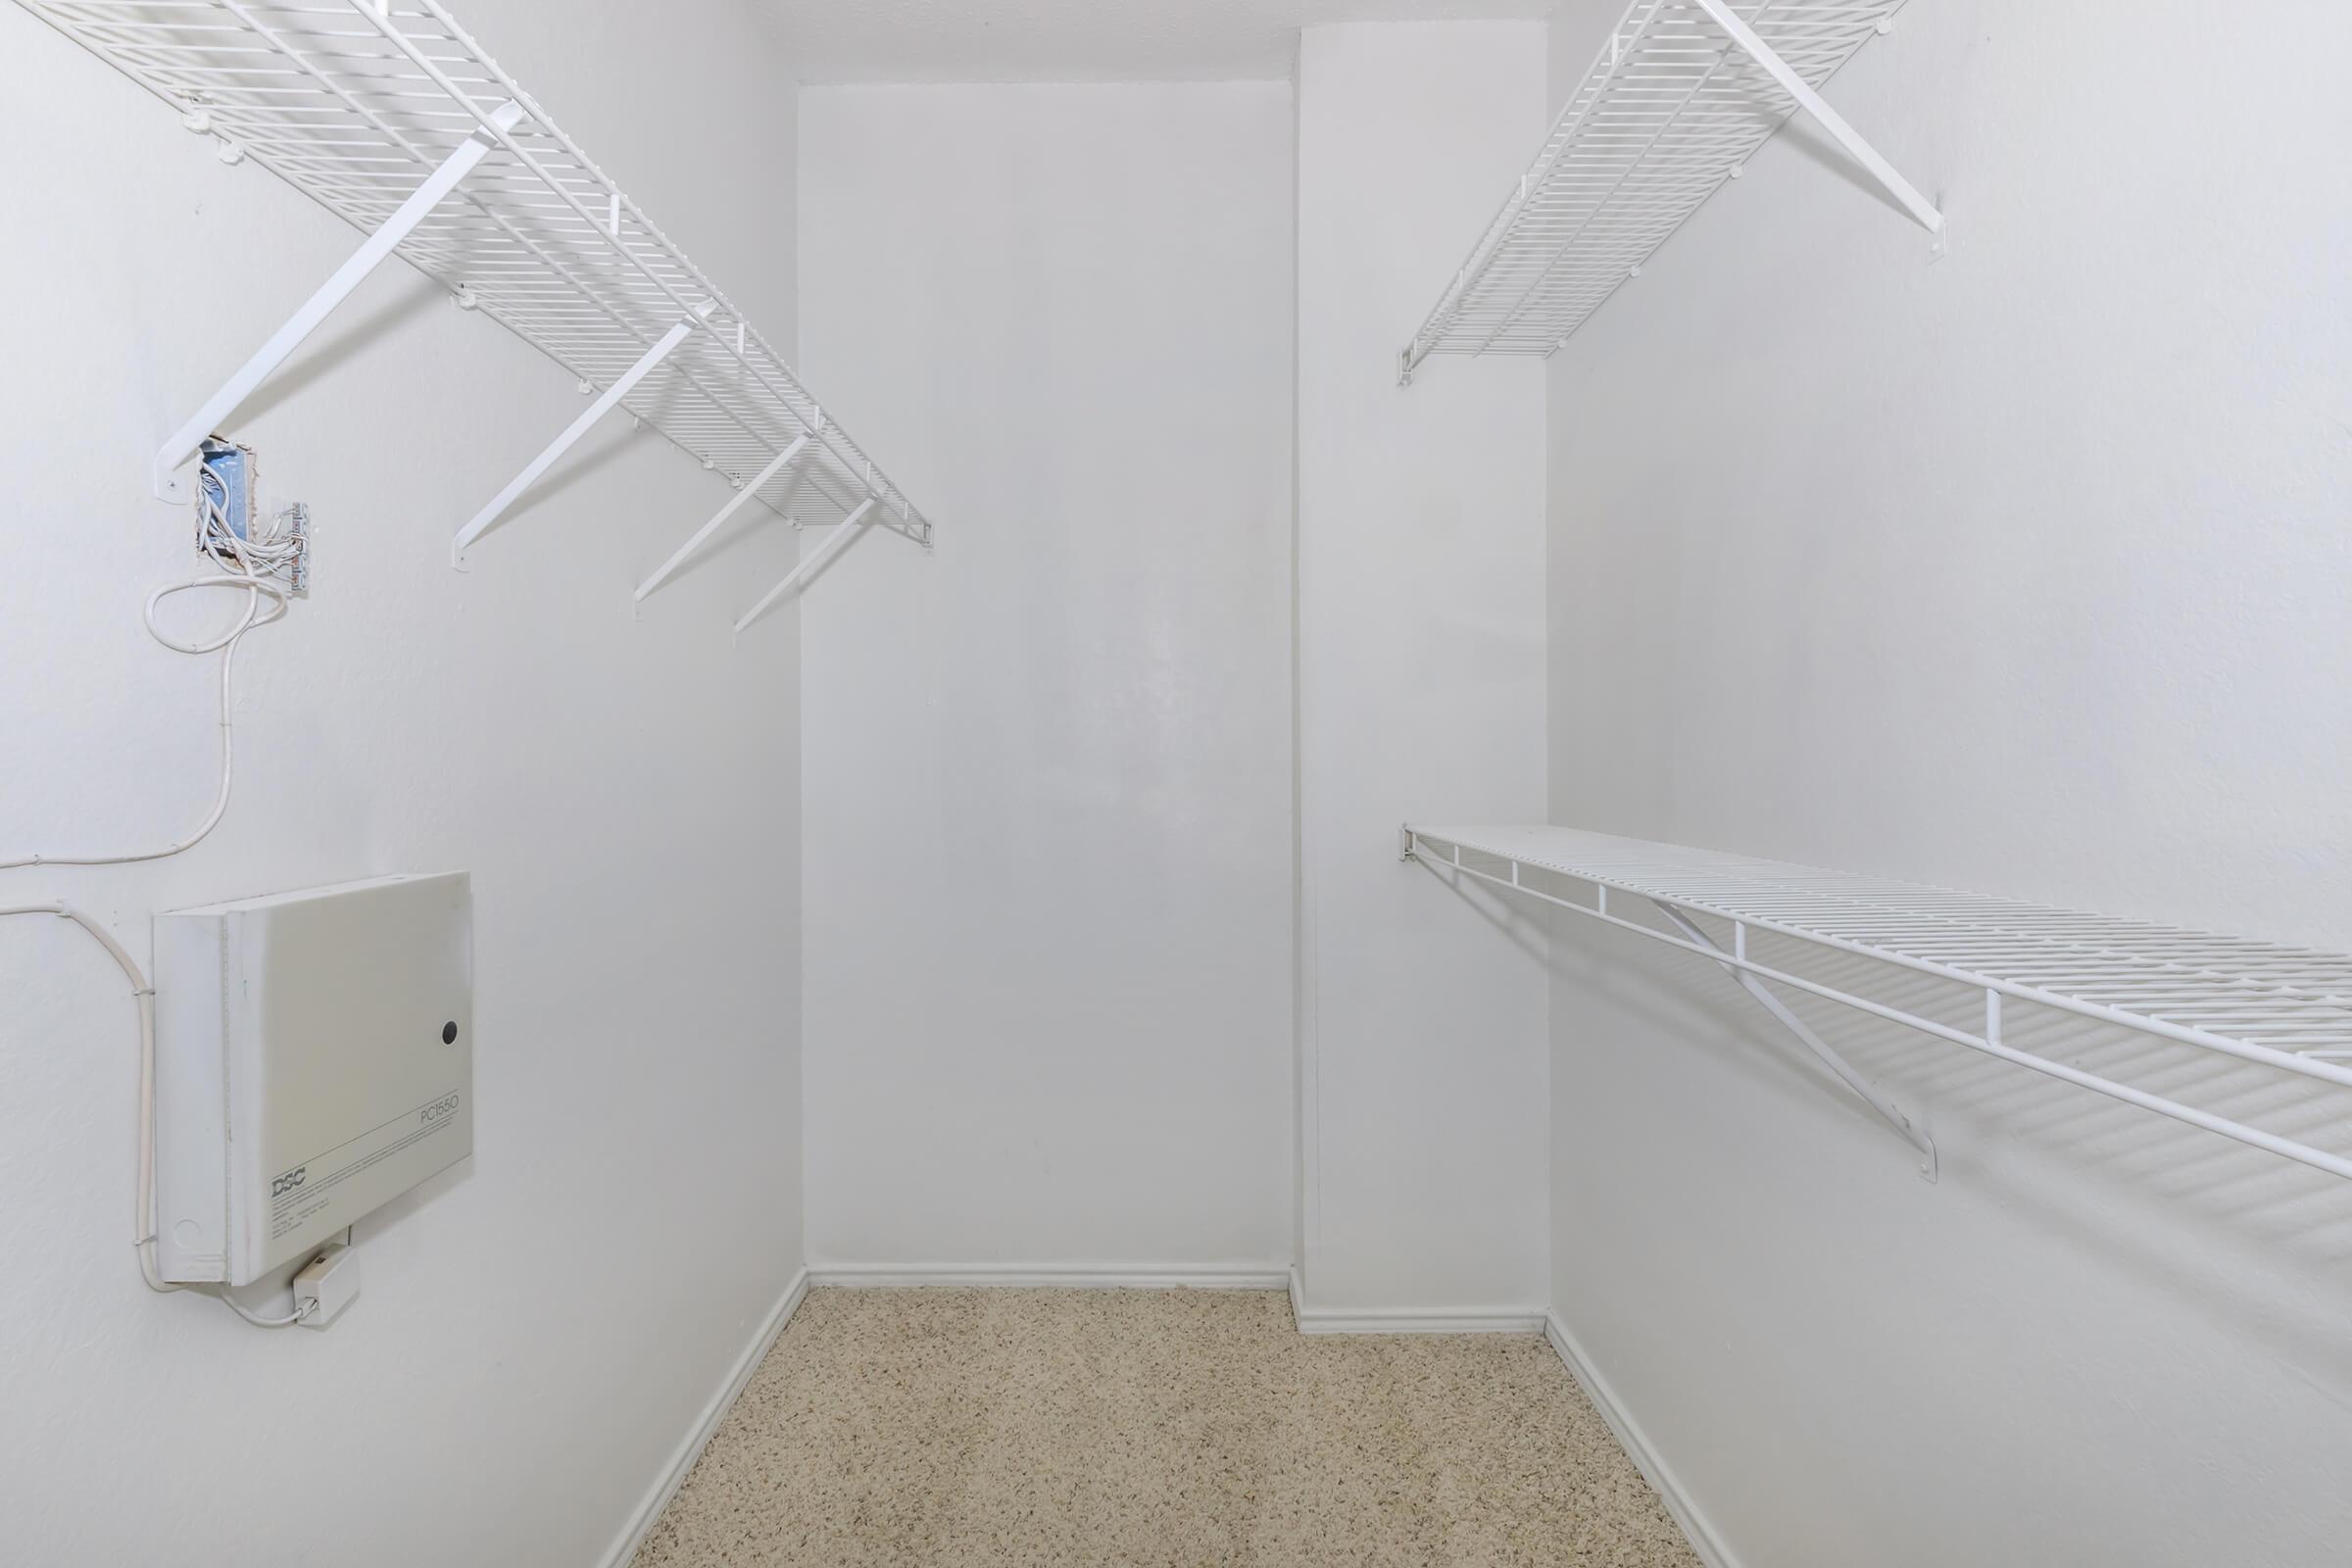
267 565
143 1238
143 1231
258 566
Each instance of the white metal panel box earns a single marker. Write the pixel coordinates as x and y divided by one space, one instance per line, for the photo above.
313 1061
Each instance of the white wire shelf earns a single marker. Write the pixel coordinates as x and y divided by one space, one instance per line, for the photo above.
1679 98
2283 1008
396 121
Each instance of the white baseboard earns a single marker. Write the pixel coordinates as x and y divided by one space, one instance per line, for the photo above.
1411 1319
690 1449
1703 1537
1069 1276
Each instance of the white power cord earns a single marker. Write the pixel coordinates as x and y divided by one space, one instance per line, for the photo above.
261 1322
259 563
142 1236
268 568
143 1232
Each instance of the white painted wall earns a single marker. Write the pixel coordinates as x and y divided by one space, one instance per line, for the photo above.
1048 767
1421 649
539 1329
2023 571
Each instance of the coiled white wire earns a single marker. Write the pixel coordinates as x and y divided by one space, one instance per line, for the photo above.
258 562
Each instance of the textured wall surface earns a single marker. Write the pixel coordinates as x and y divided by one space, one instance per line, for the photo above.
1081 41
539 1328
2022 572
1049 766
1421 654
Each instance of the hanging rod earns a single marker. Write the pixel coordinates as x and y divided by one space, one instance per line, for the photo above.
391 116
1680 97
2283 1008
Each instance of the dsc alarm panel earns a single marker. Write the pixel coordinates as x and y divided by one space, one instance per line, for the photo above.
313 1061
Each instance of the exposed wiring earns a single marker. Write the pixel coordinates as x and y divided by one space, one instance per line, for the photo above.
259 567
261 1322
270 565
142 1234
277 549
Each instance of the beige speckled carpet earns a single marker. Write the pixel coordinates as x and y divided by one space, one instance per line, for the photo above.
1180 1428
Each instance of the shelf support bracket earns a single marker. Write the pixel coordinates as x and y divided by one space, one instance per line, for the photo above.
844 536
1861 151
735 503
1845 1071
334 291
572 432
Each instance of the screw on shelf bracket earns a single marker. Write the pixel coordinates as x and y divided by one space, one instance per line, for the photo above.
1733 965
175 453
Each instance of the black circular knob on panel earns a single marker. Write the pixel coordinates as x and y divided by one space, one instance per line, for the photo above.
449 1033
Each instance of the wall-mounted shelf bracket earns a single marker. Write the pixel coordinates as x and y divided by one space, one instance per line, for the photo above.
852 527
1862 1087
735 503
353 103
1679 98
2279 1008
379 244
555 449
1889 179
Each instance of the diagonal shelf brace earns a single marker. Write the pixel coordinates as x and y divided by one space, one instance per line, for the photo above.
1829 119
1862 1087
1734 964
334 291
353 116
378 13
851 527
735 503
2171 981
572 432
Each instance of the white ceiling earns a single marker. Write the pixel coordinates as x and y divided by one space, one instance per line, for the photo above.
1082 40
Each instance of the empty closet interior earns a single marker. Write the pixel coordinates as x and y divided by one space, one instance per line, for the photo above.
1278 782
